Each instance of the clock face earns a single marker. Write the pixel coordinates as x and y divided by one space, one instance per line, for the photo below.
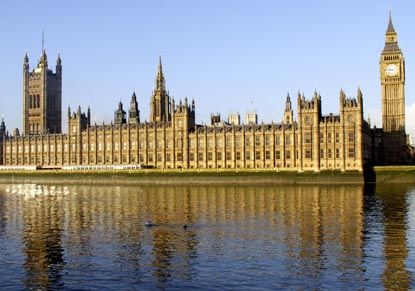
391 70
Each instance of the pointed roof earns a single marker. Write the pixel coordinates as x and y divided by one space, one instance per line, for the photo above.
160 65
390 29
288 103
160 77
391 43
133 101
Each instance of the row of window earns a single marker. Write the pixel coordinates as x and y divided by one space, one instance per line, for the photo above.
238 155
329 139
219 157
116 147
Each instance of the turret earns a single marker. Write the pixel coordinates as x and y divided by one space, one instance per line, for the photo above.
119 114
26 63
350 102
251 117
59 64
359 97
77 121
342 96
312 106
214 118
133 113
234 118
88 116
288 112
2 128
43 61
184 115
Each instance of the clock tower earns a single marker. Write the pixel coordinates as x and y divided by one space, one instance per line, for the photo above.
392 78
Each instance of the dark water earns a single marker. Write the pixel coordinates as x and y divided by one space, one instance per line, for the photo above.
239 237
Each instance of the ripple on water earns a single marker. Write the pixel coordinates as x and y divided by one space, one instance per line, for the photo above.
238 237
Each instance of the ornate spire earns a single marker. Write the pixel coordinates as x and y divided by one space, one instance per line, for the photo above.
391 37
390 29
160 82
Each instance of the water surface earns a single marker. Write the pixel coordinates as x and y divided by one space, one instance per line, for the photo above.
262 237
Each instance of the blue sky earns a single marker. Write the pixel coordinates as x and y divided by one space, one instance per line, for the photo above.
231 56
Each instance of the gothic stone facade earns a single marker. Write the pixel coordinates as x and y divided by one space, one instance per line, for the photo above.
172 139
42 97
313 143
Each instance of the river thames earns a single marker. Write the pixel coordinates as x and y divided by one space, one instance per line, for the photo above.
238 237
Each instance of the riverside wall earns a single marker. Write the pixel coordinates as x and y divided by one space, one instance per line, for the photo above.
379 175
179 177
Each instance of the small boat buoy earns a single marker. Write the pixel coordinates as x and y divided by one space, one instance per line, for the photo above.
149 223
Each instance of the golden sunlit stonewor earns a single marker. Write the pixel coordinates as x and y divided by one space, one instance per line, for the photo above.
309 141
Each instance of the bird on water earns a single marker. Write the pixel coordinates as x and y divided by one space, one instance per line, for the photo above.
149 223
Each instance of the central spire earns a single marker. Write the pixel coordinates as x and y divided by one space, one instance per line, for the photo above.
160 100
160 82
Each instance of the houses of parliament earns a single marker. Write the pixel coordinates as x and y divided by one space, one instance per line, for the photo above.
171 139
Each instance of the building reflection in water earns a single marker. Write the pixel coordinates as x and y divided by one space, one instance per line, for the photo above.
395 211
304 235
41 209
